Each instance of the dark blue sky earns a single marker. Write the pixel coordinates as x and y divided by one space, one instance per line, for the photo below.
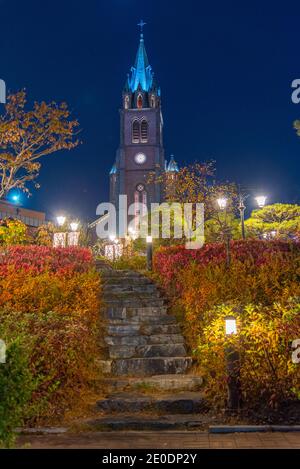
225 70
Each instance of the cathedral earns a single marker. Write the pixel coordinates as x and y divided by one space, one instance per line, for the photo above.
141 150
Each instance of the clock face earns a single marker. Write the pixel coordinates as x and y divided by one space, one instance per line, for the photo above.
140 158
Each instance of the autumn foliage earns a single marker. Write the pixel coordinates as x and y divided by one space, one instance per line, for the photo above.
261 287
44 258
50 298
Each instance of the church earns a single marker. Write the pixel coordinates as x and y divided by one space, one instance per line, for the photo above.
141 150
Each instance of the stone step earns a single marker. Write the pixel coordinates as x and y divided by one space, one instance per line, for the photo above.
129 289
172 383
128 313
147 320
135 329
129 340
123 330
150 366
125 295
144 340
121 274
181 403
166 339
144 351
161 350
134 302
143 423
160 329
115 281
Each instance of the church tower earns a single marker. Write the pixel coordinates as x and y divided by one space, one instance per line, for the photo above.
141 149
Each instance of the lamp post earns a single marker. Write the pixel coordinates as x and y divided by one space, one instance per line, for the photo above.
232 367
242 208
60 220
149 252
74 226
261 200
222 203
114 240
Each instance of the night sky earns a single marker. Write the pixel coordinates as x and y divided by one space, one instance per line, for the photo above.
225 70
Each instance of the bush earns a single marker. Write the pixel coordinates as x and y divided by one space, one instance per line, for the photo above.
52 298
41 258
264 274
62 358
63 292
16 387
131 262
12 232
170 262
264 339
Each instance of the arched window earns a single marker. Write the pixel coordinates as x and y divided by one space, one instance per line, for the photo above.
135 131
140 101
126 102
144 131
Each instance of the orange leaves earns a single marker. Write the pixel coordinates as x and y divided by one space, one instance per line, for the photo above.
58 315
258 289
28 135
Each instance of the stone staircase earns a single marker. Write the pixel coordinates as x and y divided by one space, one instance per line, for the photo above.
148 386
142 339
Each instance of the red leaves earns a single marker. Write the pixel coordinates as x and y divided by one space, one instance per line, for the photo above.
168 261
41 258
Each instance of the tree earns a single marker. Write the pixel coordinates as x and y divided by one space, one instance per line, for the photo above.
13 232
277 220
28 135
195 183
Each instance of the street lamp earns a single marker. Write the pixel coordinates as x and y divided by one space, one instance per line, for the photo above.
233 367
149 252
222 202
261 200
60 220
74 226
242 208
230 325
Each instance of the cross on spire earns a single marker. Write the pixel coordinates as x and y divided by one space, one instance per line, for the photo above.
141 24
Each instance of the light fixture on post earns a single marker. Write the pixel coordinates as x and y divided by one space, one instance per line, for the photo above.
149 252
60 238
261 200
74 226
233 367
222 203
61 219
242 208
230 325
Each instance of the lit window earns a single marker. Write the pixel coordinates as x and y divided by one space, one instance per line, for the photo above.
126 102
140 101
144 131
135 131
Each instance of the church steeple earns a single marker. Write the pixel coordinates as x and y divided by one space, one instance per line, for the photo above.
141 152
140 90
141 72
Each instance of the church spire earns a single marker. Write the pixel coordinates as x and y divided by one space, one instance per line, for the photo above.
141 73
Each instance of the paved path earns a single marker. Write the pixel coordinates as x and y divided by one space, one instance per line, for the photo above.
164 440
